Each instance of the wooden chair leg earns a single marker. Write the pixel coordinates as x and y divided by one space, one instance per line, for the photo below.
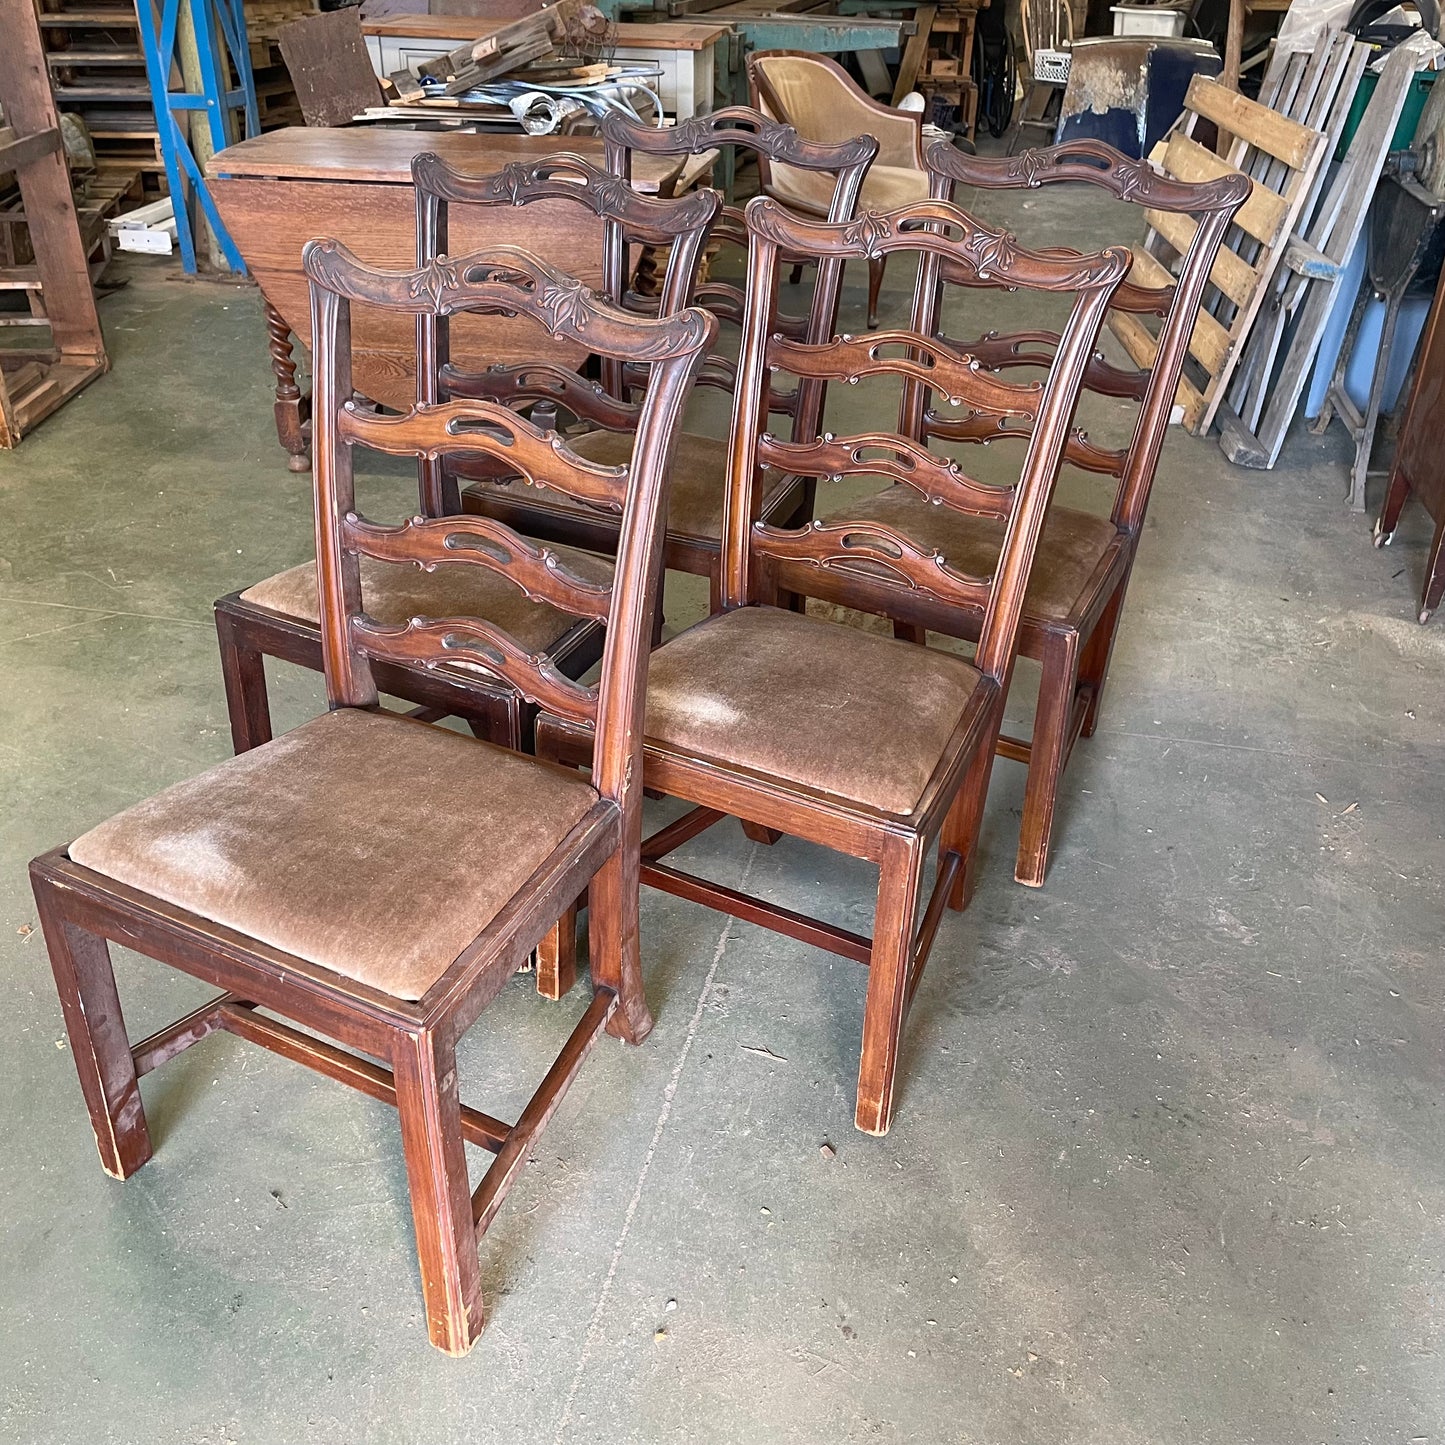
1048 751
243 671
1434 588
876 265
613 947
291 406
760 834
1094 660
1396 495
963 825
85 982
899 873
795 276
557 957
441 1197
910 632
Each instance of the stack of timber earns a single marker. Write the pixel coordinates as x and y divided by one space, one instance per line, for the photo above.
93 55
1267 391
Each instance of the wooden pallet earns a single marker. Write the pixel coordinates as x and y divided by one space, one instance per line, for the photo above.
1239 282
34 383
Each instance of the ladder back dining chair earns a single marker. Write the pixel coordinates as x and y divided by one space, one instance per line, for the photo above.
792 721
279 617
1081 574
694 532
371 878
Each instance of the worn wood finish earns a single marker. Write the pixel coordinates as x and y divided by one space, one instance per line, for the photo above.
1074 648
761 560
81 909
494 710
629 146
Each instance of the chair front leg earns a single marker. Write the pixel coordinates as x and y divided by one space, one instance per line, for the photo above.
1096 654
243 672
613 941
85 982
291 406
441 1198
894 925
1048 752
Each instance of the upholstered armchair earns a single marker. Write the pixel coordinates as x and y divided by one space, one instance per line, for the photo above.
820 100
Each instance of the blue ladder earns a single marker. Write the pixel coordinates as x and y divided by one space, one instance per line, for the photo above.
220 27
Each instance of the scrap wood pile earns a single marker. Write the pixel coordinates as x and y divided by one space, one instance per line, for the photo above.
545 72
1281 270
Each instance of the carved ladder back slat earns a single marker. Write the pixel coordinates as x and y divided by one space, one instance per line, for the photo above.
1151 290
629 218
739 127
503 280
758 556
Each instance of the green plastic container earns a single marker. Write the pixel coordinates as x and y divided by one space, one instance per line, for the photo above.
1415 99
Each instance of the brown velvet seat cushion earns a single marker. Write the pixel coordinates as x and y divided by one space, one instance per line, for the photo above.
831 707
392 593
371 845
1069 552
699 479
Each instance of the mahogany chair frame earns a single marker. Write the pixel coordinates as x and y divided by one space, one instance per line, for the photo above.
763 561
1073 650
900 133
82 909
248 632
790 501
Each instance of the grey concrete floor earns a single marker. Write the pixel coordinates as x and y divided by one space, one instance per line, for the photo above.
1168 1159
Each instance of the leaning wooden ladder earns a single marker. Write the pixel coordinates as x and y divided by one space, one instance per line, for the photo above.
1281 158
33 383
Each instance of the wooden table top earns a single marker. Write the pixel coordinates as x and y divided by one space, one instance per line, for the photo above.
665 35
379 153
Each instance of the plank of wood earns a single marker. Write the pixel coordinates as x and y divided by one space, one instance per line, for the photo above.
17 151
1262 215
914 52
665 35
1261 127
1148 270
330 67
1235 277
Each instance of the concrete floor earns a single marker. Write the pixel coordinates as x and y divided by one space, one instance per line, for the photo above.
1168 1159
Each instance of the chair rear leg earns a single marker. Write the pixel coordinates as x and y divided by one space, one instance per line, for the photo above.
441 1198
876 265
1048 752
899 873
243 671
1094 659
964 822
613 943
85 982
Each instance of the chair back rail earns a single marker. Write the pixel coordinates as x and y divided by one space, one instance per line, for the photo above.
938 230
742 128
629 218
1213 205
509 281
